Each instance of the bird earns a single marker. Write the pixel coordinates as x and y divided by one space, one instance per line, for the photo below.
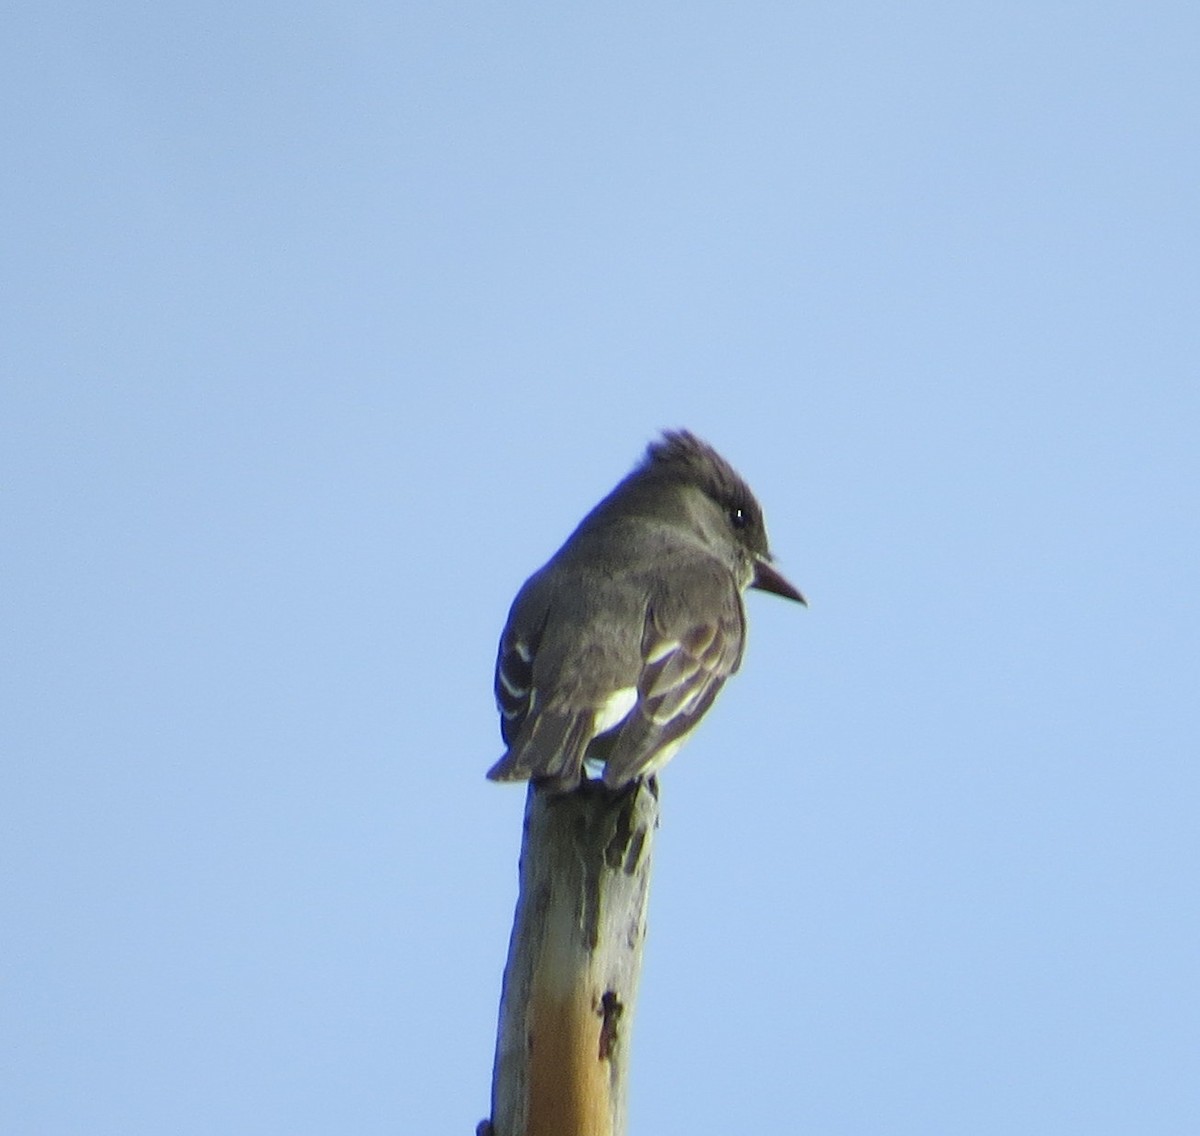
616 648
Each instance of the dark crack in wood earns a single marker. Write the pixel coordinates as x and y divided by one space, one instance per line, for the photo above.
610 1013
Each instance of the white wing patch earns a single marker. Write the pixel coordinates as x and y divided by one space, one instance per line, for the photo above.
661 650
513 688
615 710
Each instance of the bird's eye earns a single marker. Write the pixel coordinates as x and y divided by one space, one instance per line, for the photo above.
738 517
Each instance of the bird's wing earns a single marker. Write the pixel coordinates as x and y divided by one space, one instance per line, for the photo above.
544 742
686 658
514 681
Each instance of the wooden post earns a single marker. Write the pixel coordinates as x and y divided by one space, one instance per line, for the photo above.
566 1009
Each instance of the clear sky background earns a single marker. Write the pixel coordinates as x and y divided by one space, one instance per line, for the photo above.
323 324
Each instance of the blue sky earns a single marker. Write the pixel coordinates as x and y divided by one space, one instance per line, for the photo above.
324 324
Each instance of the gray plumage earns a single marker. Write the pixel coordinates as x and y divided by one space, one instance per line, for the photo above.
615 649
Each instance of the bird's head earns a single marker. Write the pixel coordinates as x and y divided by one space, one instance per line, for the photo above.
719 506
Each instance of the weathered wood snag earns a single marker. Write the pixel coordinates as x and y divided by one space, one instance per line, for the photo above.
566 1010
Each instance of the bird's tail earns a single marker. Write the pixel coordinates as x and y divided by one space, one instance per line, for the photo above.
549 750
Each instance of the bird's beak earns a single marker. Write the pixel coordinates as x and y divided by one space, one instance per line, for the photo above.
766 579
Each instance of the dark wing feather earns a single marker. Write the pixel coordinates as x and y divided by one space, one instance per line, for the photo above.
514 683
544 743
686 660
